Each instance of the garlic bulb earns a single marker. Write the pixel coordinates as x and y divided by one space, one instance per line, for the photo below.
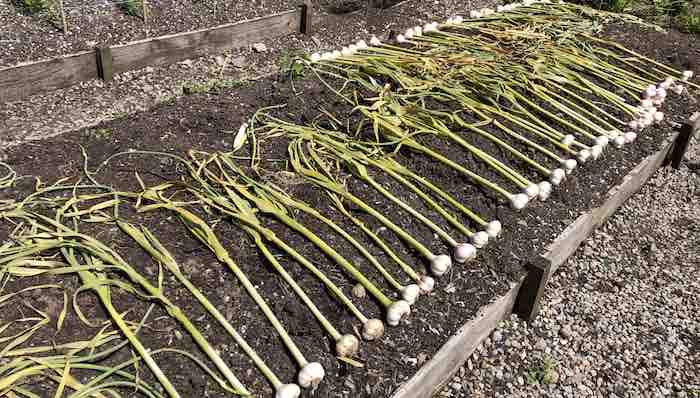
410 293
397 311
426 284
480 239
494 229
440 264
531 190
519 201
288 391
545 190
464 252
347 346
557 176
373 329
311 375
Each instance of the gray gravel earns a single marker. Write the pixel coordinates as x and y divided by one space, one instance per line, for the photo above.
621 318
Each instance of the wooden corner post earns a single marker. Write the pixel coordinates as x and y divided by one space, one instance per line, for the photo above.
62 12
104 63
680 146
304 19
527 304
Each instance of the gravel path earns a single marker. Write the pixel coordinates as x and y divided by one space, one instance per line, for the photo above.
621 318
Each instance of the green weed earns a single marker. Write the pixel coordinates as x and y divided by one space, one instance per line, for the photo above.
541 371
133 7
689 23
614 5
288 63
213 85
48 7
679 14
38 5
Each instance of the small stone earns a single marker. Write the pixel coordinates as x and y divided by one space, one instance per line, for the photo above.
497 336
554 377
540 345
260 47
566 332
499 374
238 62
422 357
187 63
359 291
220 60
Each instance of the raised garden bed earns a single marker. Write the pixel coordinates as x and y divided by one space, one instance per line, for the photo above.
21 81
527 290
209 122
28 37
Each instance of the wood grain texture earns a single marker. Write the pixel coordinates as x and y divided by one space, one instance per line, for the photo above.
177 47
440 369
527 304
23 80
104 64
685 134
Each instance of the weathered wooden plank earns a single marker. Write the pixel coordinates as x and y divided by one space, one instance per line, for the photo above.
569 240
438 370
20 81
177 47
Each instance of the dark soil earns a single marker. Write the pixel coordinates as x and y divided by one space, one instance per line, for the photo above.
206 122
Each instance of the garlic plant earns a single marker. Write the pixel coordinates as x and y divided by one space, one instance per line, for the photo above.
356 159
455 65
155 248
97 258
274 194
238 208
312 168
311 373
56 363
